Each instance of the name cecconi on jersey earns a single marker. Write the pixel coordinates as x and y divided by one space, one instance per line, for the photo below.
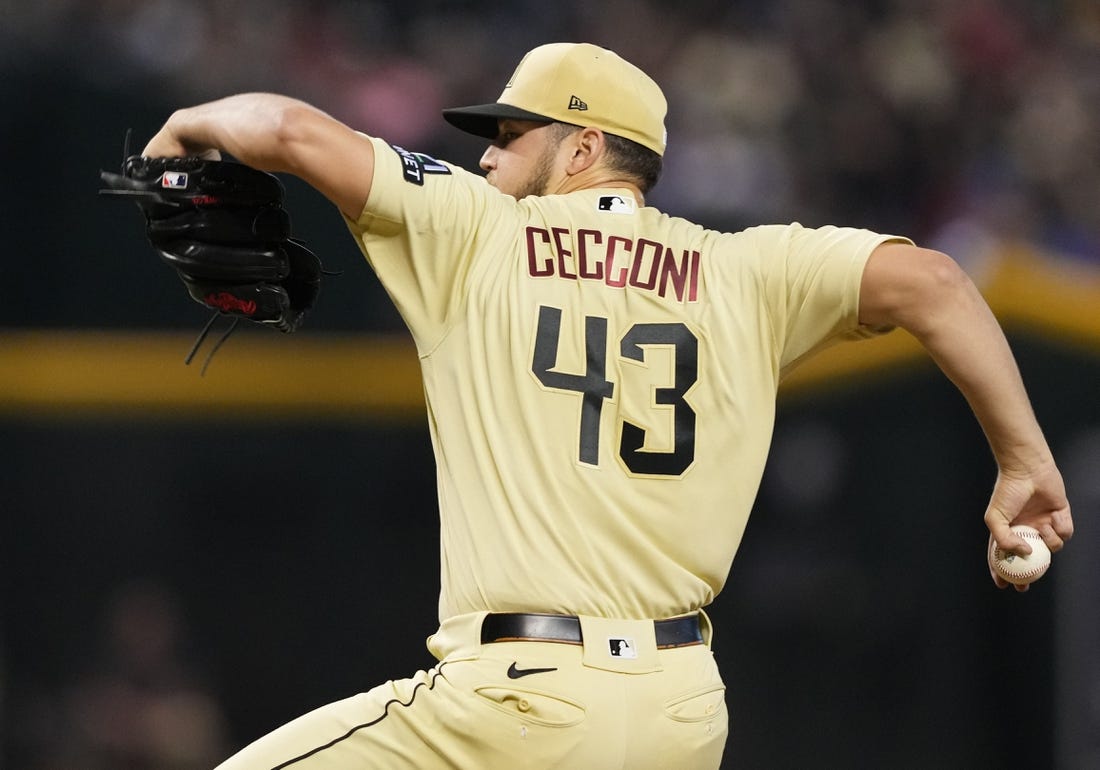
591 255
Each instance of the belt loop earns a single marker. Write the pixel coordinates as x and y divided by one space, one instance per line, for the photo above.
458 637
706 628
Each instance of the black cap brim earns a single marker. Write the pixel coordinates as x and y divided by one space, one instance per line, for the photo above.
481 120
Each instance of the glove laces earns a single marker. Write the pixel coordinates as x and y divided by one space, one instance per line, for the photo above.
202 336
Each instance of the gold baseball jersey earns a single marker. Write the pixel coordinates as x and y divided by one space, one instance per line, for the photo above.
600 380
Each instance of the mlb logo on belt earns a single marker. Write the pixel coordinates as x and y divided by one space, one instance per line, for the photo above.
622 648
174 180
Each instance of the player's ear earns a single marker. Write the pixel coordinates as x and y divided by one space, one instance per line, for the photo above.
587 147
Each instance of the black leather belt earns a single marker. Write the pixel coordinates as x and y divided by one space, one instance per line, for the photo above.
533 627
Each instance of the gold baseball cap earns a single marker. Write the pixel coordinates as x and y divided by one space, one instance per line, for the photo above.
577 83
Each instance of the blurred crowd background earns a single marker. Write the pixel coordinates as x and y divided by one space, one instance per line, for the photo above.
955 122
973 127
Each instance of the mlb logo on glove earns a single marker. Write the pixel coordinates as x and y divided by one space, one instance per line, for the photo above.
174 180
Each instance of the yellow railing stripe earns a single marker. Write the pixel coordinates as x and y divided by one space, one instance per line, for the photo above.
261 374
255 374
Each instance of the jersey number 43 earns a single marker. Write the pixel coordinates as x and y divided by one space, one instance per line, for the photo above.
595 388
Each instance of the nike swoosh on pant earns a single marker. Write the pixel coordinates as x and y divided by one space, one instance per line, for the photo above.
516 673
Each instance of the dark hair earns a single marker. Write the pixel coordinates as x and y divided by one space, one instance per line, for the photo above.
641 164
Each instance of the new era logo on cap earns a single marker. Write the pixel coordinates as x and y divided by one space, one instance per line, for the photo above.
544 86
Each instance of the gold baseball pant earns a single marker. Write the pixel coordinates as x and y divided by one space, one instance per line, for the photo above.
618 699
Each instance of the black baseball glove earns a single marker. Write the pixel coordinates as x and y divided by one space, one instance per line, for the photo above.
222 226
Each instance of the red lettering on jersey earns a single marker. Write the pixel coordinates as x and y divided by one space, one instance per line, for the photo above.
532 263
639 261
563 271
596 272
620 280
676 273
649 265
693 291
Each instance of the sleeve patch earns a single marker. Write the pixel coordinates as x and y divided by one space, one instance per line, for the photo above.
414 165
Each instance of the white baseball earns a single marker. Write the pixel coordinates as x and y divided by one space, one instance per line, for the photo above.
1019 569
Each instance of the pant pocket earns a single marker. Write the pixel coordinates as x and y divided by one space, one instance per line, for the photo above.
698 705
532 705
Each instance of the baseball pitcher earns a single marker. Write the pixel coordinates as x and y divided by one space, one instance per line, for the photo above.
600 381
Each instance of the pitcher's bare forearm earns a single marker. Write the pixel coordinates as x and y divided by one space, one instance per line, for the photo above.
276 133
930 296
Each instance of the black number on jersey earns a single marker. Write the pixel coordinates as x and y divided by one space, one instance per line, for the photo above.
592 384
595 388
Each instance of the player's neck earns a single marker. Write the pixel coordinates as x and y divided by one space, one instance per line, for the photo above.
599 179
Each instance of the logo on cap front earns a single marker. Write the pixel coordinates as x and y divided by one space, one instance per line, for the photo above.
575 103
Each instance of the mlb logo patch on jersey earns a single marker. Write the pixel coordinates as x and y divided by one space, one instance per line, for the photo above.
174 180
616 204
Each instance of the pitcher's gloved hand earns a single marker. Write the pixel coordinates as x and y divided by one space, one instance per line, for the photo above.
222 226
